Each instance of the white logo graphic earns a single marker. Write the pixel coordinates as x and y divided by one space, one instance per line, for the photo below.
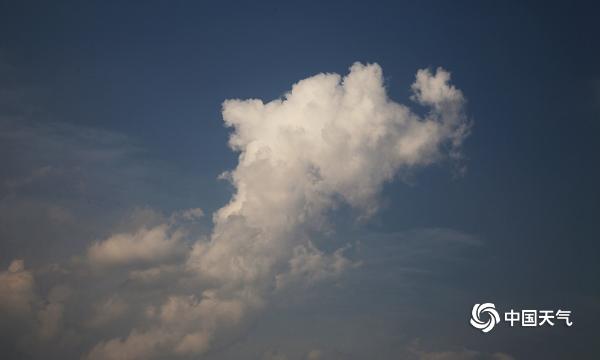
493 317
524 318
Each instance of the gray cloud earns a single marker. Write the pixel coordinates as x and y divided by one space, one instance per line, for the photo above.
16 289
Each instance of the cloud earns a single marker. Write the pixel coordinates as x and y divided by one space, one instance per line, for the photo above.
190 214
143 246
154 274
65 185
50 320
310 265
108 310
327 141
185 325
136 346
26 318
16 289
330 141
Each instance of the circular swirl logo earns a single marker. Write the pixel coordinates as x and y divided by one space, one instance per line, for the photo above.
492 316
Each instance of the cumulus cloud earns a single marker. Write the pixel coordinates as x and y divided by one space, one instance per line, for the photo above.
184 325
154 274
330 140
327 141
108 310
51 314
50 320
26 317
145 245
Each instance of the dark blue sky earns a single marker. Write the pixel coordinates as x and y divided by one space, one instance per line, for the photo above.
157 73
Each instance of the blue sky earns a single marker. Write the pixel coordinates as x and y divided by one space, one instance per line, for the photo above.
111 122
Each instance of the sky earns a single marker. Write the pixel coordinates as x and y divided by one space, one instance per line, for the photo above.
301 180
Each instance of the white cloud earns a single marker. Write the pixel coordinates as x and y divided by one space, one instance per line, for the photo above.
145 245
148 238
330 140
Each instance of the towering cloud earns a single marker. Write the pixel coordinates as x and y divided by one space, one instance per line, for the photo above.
329 140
